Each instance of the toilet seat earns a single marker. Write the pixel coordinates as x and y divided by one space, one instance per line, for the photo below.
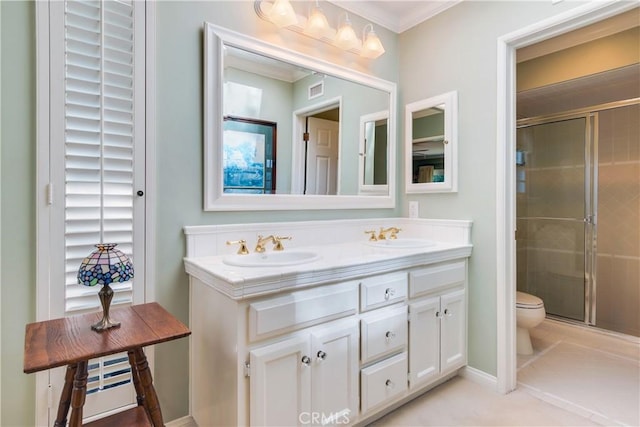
528 301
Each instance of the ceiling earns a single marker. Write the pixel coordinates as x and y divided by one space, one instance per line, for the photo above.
396 15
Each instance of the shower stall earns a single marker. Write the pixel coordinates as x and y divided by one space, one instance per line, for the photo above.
578 214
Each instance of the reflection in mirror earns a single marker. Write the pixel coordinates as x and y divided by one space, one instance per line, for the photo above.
431 132
313 109
374 152
428 145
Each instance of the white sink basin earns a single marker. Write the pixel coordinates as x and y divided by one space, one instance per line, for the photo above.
401 243
271 259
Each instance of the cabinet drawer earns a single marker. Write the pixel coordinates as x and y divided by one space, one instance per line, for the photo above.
382 290
430 279
300 309
383 381
383 332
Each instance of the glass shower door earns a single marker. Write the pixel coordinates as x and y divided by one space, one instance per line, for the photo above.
552 202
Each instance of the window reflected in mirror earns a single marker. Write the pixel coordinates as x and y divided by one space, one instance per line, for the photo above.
248 156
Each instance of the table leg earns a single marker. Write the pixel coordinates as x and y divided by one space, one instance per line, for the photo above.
151 403
65 396
78 394
135 377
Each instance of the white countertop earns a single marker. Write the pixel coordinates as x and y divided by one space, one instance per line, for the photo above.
336 262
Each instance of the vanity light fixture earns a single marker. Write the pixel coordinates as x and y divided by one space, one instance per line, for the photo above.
282 14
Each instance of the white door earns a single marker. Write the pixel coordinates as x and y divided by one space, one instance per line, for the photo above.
280 389
334 379
95 145
322 157
424 341
454 326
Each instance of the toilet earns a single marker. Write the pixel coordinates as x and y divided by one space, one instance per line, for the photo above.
529 313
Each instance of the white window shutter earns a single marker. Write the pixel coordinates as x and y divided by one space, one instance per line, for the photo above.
96 165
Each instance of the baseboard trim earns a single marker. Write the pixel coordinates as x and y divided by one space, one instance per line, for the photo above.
479 377
187 421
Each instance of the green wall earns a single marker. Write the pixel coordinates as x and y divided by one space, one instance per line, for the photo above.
18 207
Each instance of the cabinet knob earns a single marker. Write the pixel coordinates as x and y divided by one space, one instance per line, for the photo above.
306 361
389 292
390 335
438 314
321 356
447 312
389 384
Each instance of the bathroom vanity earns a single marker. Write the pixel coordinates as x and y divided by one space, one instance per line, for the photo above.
334 329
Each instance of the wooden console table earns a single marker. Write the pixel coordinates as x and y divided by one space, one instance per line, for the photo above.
70 341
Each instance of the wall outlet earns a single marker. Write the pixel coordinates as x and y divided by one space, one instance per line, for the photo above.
414 209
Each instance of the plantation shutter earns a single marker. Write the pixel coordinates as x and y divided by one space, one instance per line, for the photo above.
97 157
99 150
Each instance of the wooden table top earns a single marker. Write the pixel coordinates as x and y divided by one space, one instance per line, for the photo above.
68 340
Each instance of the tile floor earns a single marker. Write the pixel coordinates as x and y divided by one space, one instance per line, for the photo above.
576 377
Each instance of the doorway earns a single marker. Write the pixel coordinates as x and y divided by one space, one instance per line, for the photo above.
578 17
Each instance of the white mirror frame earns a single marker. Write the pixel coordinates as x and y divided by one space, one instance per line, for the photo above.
450 184
214 198
362 187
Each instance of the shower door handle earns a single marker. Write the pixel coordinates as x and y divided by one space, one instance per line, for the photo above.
589 219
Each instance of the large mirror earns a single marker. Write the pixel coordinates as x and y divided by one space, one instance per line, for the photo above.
431 148
287 131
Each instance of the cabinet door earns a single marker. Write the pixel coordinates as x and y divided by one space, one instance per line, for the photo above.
454 335
280 390
334 378
424 341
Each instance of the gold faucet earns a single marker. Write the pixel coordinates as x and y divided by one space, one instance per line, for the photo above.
242 250
372 237
262 241
393 230
276 240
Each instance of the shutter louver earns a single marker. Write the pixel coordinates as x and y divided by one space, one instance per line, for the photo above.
99 122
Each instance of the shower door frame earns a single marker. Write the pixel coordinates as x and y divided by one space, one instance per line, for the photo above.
590 214
590 114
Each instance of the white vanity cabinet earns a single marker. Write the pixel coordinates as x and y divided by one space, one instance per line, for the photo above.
339 340
437 322
313 373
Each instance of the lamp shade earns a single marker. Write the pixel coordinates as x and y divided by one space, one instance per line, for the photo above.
105 265
282 14
372 46
317 24
346 38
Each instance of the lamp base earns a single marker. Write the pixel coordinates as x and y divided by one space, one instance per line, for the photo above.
105 295
105 324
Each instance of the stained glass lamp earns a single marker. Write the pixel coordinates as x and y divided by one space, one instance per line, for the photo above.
104 266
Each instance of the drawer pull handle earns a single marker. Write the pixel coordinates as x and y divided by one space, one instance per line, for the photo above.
306 361
390 335
389 292
389 384
321 356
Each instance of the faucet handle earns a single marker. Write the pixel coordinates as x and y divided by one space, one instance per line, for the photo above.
277 240
372 238
394 232
242 250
